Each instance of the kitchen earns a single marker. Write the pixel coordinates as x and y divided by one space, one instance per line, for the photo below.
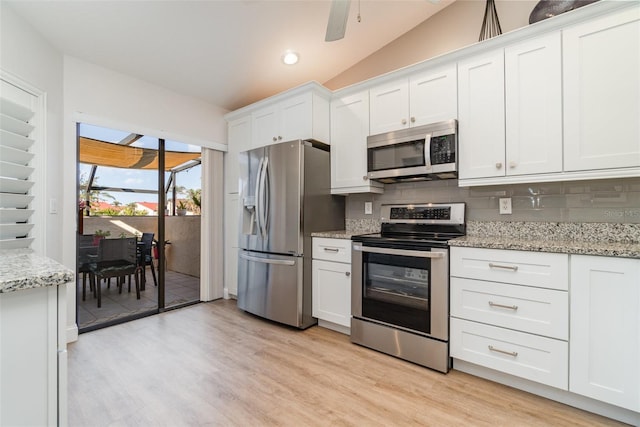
557 202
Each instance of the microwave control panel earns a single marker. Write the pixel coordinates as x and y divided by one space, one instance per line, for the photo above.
443 149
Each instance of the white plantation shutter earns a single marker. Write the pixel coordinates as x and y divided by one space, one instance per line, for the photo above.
17 160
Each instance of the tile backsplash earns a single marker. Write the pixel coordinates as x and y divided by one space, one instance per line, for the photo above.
607 200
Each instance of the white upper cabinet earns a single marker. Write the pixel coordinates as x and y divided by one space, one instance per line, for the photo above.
511 110
422 98
602 92
533 98
301 116
238 140
433 96
349 130
481 124
389 107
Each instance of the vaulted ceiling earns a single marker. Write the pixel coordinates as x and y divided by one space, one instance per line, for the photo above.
227 52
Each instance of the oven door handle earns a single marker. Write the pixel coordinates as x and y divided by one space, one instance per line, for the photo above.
400 252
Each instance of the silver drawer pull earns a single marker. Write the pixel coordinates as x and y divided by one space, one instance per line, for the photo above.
334 250
505 267
508 307
508 353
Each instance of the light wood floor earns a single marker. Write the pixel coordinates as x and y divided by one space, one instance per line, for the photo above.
212 364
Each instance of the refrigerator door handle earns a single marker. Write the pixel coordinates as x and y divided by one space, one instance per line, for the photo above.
266 198
259 197
267 260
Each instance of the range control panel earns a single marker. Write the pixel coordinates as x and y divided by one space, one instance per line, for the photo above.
420 212
426 213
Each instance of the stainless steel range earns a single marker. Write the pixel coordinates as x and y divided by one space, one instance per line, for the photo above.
400 283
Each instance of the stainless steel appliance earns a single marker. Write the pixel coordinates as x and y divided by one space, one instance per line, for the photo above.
421 153
400 283
285 195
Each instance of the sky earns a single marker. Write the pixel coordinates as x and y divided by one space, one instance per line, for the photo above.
136 178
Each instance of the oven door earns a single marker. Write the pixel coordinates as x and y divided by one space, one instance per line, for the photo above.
403 288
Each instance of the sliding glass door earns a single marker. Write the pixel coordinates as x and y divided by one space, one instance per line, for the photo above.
131 185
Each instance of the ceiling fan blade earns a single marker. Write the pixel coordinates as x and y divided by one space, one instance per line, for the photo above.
337 24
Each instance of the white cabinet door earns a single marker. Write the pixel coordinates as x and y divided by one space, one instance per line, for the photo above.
433 96
481 116
349 130
605 329
265 126
389 107
28 358
332 292
296 118
533 112
231 221
239 139
602 92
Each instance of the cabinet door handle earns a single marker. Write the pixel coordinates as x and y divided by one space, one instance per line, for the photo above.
334 250
504 267
413 119
512 165
279 138
508 307
498 165
404 121
365 178
347 273
508 353
274 139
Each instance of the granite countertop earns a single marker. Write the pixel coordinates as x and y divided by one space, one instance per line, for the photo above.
22 269
603 239
338 234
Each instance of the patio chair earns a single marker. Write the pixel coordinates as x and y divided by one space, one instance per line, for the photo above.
116 258
146 258
87 253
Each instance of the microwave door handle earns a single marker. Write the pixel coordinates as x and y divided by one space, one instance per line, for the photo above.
400 252
427 151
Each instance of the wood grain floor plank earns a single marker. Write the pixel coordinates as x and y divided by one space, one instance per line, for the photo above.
214 365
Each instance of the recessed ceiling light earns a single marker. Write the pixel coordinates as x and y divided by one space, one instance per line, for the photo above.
290 57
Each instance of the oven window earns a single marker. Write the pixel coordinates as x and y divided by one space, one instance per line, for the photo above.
396 290
404 155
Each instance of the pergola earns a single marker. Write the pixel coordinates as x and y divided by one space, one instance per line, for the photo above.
122 155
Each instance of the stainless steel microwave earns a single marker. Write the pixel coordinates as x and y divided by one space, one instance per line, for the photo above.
421 153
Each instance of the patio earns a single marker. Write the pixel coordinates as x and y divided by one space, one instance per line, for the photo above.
180 289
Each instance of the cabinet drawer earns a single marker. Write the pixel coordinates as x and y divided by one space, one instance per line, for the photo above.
539 359
539 269
538 311
337 250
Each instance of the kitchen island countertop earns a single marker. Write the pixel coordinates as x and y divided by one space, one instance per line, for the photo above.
23 269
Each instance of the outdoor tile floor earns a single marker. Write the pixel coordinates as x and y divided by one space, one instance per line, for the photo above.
179 289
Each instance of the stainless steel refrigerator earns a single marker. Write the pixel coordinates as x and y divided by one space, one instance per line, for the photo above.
285 193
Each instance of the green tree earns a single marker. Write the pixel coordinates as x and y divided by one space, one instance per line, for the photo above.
195 196
95 196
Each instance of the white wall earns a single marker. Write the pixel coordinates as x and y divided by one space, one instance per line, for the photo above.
96 95
80 91
28 56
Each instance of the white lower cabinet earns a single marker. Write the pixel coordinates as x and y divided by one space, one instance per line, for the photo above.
529 356
533 319
509 312
605 329
33 357
331 294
